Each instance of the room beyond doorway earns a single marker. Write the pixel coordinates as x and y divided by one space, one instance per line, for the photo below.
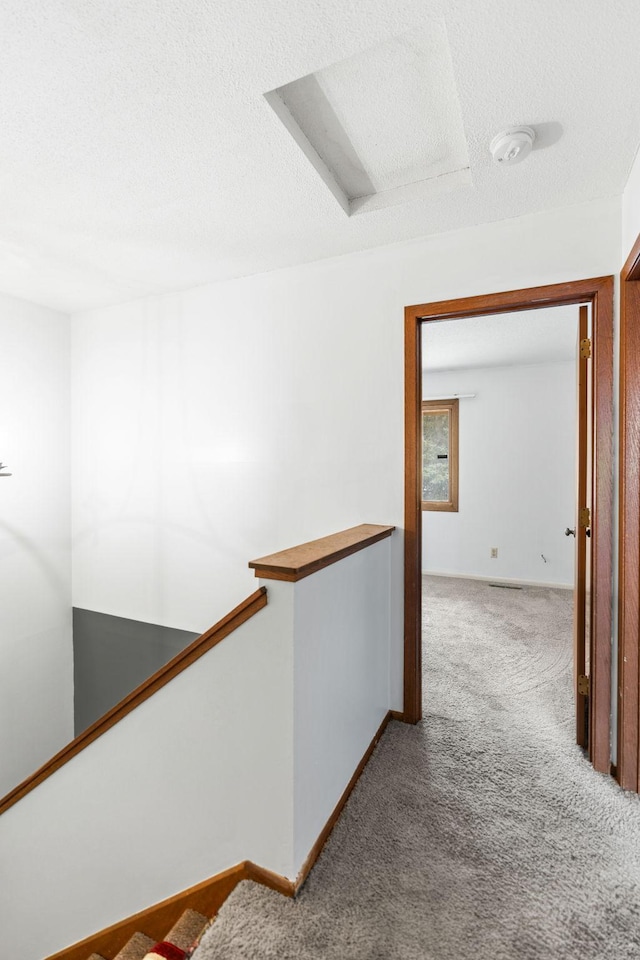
513 454
505 557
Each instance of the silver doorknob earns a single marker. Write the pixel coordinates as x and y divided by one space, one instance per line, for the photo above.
570 533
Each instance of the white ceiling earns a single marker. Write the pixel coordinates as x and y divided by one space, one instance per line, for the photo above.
546 335
138 153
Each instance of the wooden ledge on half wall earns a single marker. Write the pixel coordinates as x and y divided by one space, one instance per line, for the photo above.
298 562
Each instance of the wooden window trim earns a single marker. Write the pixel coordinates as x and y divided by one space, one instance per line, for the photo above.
451 407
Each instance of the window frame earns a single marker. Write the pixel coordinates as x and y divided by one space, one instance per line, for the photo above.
450 407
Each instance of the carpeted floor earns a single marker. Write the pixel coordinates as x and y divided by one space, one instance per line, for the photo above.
481 833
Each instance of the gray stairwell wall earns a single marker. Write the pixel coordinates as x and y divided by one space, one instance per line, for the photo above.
112 656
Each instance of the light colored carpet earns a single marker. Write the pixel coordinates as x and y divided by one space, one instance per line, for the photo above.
482 832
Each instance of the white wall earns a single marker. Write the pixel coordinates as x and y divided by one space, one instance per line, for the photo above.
631 209
194 780
517 481
36 665
243 756
228 421
341 681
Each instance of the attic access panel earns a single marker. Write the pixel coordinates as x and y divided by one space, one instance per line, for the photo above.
383 127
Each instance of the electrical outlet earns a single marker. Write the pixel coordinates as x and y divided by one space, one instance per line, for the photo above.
494 553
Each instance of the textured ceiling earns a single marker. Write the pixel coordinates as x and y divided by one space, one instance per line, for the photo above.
546 335
138 153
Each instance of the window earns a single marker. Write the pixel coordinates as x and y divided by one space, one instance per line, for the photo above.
440 455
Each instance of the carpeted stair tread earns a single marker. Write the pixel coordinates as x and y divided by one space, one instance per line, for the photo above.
187 929
242 922
136 948
96 956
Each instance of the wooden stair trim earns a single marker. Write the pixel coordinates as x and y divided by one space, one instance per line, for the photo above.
207 897
307 558
201 645
275 881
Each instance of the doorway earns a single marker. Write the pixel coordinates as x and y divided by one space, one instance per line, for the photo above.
599 295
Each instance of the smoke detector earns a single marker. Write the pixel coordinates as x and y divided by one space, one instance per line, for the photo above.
513 145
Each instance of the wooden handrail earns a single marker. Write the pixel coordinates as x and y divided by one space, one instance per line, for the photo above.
243 612
298 562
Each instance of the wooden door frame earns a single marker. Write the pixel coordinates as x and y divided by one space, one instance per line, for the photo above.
599 293
628 759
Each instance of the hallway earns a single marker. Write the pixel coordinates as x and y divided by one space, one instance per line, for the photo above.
482 832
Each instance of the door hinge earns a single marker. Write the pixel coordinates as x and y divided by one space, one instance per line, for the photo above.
584 517
584 685
585 348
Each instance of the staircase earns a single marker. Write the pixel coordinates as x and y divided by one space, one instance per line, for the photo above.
179 943
281 743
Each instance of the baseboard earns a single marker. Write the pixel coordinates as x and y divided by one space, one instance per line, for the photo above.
508 580
275 881
207 897
316 849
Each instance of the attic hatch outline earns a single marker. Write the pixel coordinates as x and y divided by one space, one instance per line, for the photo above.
321 113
